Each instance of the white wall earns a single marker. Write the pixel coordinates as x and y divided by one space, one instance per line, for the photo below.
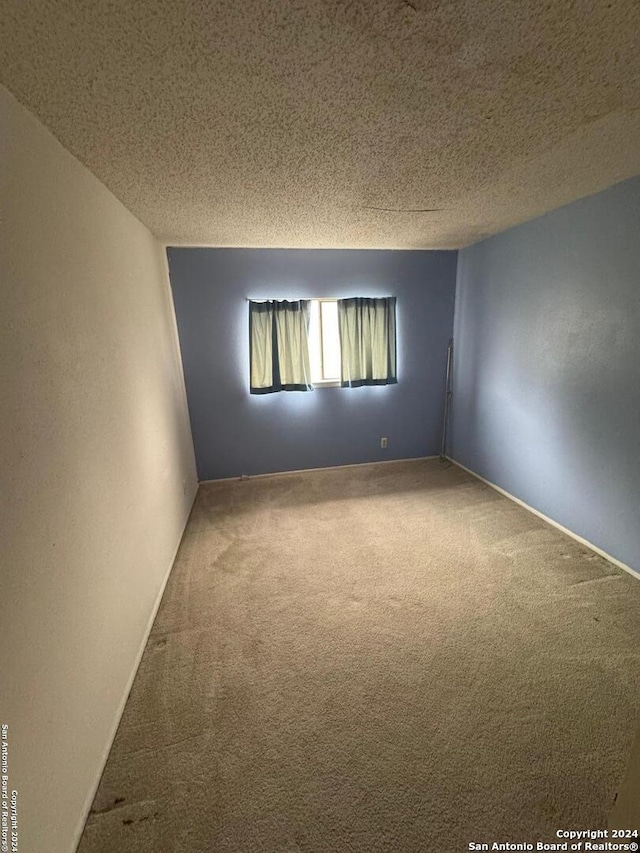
96 466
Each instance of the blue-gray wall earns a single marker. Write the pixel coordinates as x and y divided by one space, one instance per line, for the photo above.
237 433
547 366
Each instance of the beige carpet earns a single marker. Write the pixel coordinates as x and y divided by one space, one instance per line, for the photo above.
386 658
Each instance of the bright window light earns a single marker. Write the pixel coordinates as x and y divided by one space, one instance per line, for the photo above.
324 342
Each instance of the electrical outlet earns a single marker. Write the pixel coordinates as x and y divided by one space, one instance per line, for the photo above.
383 443
185 490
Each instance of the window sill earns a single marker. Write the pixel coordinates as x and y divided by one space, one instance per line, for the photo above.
327 383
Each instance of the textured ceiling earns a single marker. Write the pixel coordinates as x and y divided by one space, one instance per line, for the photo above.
334 123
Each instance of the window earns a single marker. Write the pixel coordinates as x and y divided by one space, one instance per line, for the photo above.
296 344
324 342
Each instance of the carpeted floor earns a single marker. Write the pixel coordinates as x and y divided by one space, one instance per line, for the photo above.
385 658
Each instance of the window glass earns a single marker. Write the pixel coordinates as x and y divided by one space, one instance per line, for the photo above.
330 340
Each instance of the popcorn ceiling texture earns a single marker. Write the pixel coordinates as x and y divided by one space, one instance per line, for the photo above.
291 123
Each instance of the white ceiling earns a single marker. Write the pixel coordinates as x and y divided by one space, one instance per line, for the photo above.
334 123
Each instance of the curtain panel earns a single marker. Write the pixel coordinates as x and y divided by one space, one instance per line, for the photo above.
279 346
367 341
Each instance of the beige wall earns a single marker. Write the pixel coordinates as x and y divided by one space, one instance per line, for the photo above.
96 464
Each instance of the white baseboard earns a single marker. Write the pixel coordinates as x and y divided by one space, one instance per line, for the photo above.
550 521
309 470
114 729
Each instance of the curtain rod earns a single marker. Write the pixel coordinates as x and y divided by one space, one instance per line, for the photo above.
310 298
291 298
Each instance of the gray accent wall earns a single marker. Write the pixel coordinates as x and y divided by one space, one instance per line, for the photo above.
237 433
547 366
